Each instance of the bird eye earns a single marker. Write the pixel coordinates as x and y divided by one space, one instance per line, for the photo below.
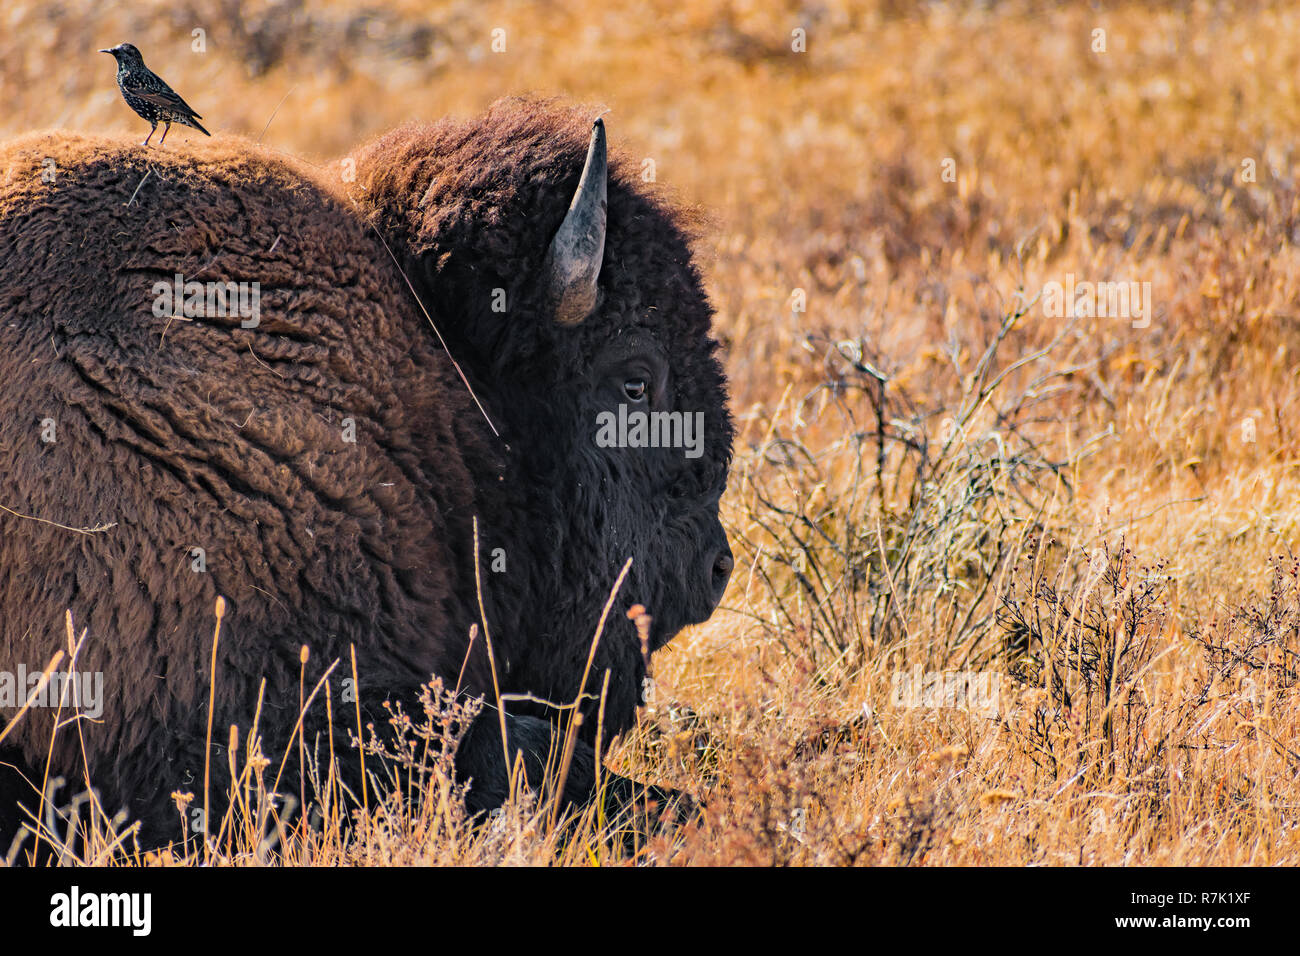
635 389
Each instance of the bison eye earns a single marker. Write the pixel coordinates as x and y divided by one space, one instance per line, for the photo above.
635 389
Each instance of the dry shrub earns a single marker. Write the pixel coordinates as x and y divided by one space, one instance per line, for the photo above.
870 540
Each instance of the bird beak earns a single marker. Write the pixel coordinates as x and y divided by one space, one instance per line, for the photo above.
105 51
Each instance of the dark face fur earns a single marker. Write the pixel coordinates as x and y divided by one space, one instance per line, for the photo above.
658 505
474 213
590 505
608 502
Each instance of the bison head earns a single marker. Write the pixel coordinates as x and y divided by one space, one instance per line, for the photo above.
567 295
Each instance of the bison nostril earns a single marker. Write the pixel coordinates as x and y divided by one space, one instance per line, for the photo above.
722 566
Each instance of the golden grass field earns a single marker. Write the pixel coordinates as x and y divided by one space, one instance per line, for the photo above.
933 474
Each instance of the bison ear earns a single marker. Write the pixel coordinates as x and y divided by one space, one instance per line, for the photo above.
573 261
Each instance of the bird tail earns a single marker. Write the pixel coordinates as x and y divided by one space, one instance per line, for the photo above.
195 124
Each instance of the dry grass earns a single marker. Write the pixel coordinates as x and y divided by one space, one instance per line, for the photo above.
932 473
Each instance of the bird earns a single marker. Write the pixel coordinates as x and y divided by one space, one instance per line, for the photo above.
147 94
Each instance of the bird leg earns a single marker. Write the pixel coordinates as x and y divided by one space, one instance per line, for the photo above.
152 130
166 130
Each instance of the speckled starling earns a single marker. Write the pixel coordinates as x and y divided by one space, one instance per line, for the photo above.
146 93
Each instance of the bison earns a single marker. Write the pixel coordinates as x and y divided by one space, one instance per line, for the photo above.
319 393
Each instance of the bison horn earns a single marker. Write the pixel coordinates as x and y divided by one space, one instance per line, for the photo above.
573 261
